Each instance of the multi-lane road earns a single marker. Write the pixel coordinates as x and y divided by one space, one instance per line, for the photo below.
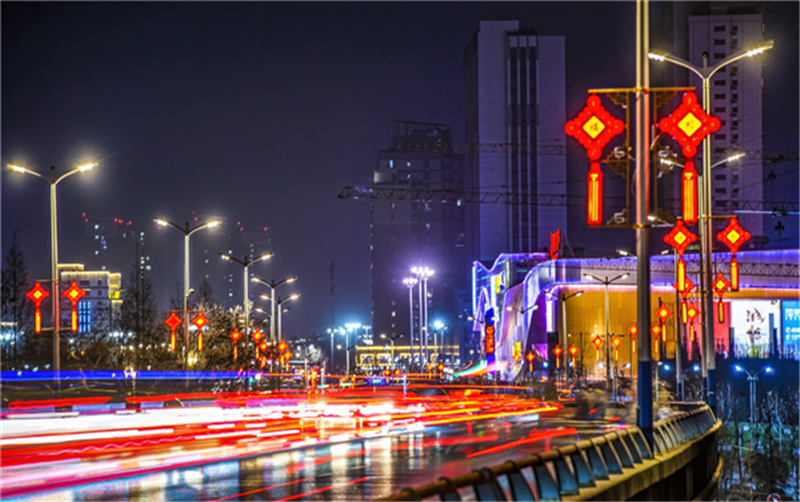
345 444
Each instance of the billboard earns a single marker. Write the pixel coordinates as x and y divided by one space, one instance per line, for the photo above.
750 322
791 328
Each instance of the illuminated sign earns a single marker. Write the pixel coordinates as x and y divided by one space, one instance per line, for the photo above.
594 195
594 127
201 322
172 321
791 327
555 244
750 325
689 193
488 342
74 293
689 124
37 295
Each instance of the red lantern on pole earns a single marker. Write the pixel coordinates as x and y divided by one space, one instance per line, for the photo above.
173 321
616 341
555 244
663 312
257 335
733 235
594 127
633 330
734 273
74 294
689 193
572 351
558 351
530 357
201 322
680 237
721 285
235 336
689 124
37 295
598 342
594 195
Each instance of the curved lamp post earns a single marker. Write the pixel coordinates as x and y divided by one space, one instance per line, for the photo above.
187 232
606 282
53 181
272 285
752 378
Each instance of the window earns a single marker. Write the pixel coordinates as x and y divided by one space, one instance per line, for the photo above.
734 98
735 110
720 27
84 317
734 137
734 70
720 176
391 164
720 136
722 190
719 82
719 55
734 29
719 109
734 84
719 96
719 41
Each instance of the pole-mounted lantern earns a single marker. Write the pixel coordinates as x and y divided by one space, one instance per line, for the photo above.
689 124
37 295
689 193
616 342
201 322
74 294
598 342
235 335
557 350
721 285
733 236
173 321
530 357
633 330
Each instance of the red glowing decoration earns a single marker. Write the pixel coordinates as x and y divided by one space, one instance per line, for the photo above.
734 273
663 312
282 346
733 235
558 351
235 336
257 335
530 357
572 351
74 294
689 287
689 124
37 295
616 341
598 342
633 329
689 193
594 195
681 284
680 237
555 244
656 329
264 346
173 321
720 284
594 127
201 322
691 312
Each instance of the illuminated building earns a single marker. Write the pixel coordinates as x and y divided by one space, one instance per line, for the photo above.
405 234
515 113
111 243
103 298
763 317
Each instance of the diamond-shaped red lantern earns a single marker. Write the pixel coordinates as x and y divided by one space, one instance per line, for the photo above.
201 322
235 336
663 312
633 329
691 312
656 329
558 351
720 284
172 321
598 342
733 235
257 335
37 295
689 287
594 127
74 293
689 124
680 237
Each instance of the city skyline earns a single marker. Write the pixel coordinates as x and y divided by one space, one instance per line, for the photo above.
259 113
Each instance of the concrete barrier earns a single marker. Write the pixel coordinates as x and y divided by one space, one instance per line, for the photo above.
619 465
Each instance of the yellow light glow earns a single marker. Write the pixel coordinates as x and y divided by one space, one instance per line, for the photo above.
689 124
86 167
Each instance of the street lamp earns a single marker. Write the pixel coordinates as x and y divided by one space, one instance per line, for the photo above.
53 181
606 282
731 158
391 340
410 282
564 297
423 274
752 377
706 244
246 300
272 285
187 232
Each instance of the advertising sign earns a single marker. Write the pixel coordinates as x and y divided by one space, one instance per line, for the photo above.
750 324
791 328
489 336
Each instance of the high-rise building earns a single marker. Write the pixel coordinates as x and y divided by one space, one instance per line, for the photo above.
406 234
707 33
515 114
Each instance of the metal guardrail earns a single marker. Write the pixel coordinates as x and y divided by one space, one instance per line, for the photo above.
565 471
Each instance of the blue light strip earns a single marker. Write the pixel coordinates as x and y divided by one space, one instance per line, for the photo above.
79 376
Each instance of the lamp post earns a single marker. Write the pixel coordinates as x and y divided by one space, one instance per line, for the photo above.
348 329
53 181
391 340
423 274
706 230
410 282
606 282
272 285
187 232
246 300
564 297
752 378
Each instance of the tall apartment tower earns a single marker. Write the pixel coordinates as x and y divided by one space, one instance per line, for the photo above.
406 234
720 30
515 142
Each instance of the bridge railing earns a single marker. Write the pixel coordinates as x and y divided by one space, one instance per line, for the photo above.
618 465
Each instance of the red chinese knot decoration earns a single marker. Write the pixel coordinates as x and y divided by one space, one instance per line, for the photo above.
173 321
689 124
594 127
558 351
663 312
235 336
201 322
689 193
680 237
37 295
74 294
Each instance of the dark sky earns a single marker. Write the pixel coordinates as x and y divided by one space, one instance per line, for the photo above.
261 112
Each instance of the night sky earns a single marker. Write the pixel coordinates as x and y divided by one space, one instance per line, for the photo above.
261 112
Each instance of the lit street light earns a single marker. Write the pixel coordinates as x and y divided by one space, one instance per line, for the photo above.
187 232
752 378
706 230
410 282
246 300
391 340
53 181
423 274
279 302
564 297
272 285
606 282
